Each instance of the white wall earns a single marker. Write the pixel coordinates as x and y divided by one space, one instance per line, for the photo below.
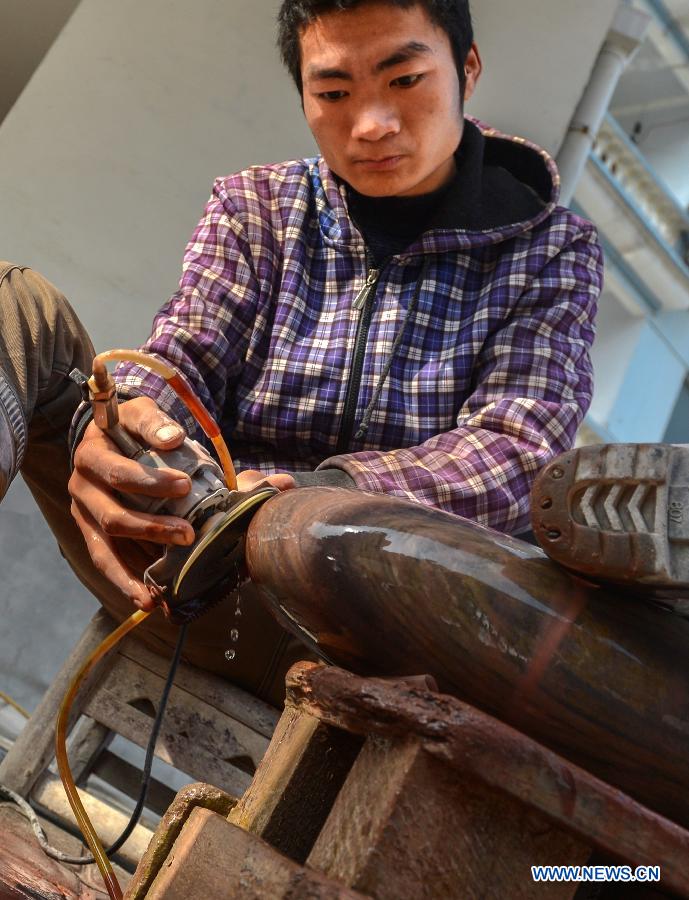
108 159
538 56
640 365
617 336
28 28
667 151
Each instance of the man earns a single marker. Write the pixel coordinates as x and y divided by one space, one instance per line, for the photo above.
410 313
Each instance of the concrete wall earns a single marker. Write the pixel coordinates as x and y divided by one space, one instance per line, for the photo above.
106 162
537 55
667 151
641 363
108 159
28 28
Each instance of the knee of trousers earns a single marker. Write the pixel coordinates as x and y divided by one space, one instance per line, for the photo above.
40 335
38 307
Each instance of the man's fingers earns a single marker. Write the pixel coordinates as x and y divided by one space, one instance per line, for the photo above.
105 559
116 520
99 459
252 478
281 480
145 419
112 531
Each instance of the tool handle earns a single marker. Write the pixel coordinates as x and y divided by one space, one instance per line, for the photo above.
126 443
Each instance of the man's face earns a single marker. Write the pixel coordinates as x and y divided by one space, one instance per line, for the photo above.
381 96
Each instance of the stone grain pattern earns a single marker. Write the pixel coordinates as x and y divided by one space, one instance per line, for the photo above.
383 586
477 775
406 826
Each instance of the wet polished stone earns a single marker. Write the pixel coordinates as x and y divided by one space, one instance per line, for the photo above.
383 586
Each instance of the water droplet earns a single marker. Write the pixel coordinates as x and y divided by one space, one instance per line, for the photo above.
230 655
238 612
234 634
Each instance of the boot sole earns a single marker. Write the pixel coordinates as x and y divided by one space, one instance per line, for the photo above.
619 513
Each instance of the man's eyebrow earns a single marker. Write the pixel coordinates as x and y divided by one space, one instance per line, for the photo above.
404 54
316 73
401 55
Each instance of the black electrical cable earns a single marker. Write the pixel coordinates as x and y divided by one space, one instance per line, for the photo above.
150 749
145 778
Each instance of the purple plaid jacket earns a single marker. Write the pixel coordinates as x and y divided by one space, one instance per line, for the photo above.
489 378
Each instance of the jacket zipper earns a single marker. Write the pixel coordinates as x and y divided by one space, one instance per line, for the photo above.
363 303
362 296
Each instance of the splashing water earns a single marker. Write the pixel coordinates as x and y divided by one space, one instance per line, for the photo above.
234 633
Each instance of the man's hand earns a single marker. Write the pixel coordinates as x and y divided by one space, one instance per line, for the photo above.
118 538
251 478
114 533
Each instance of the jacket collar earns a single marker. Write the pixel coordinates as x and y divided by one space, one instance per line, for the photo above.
505 185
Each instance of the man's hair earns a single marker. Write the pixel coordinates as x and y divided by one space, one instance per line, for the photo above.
452 16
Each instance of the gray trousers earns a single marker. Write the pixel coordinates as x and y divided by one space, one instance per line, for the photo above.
41 341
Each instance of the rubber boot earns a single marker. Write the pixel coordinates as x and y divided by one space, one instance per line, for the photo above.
619 514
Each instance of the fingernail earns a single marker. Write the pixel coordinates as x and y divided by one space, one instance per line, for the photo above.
180 486
180 539
167 432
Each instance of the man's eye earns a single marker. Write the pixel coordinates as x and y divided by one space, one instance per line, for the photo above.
407 80
332 96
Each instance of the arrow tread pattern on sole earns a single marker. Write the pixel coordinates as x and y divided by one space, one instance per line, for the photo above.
615 507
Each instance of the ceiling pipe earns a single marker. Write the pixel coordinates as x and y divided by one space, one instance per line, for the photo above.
670 24
627 33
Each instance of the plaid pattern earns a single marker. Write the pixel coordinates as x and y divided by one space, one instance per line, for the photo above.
492 377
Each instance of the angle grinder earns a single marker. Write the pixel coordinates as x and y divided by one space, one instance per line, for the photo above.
185 581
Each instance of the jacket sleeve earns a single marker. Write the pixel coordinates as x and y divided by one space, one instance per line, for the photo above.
532 386
204 330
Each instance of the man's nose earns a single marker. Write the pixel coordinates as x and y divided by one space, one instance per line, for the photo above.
375 121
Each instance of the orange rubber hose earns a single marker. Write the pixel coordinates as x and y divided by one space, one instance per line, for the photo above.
87 829
186 395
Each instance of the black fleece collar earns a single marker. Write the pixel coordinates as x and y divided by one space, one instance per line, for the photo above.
498 182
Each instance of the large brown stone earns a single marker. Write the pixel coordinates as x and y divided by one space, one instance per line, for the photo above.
487 756
407 827
383 586
296 783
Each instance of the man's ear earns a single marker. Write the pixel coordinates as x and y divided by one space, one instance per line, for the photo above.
472 71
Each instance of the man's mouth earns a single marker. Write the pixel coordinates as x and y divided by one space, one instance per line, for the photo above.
379 164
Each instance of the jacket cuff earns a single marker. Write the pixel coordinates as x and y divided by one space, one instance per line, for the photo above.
10 405
80 421
324 478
